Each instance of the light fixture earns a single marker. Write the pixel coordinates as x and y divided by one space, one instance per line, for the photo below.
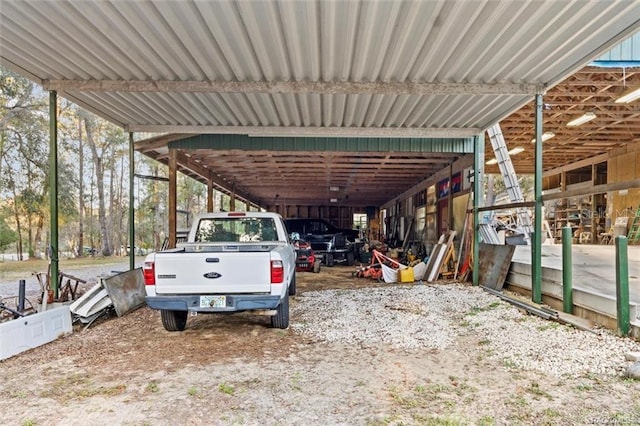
587 116
516 150
333 200
629 97
491 162
334 188
545 137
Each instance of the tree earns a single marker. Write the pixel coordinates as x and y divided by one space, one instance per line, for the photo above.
7 235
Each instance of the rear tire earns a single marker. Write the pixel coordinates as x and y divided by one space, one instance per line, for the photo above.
174 320
350 259
329 259
292 285
281 318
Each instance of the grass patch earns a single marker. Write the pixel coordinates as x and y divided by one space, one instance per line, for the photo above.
487 421
226 388
17 394
436 421
295 380
20 269
152 387
534 389
549 326
477 309
77 386
509 363
584 387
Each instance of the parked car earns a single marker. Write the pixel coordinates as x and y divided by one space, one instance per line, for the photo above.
329 243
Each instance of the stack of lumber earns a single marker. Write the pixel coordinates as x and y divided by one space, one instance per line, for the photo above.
442 255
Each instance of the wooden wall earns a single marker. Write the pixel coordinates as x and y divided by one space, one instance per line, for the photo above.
623 165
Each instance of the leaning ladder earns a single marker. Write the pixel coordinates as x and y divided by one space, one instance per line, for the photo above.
634 230
510 179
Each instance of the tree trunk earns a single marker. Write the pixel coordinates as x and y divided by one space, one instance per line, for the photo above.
19 254
121 211
80 191
99 170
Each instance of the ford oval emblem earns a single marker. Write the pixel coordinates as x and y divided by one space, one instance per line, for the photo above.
212 275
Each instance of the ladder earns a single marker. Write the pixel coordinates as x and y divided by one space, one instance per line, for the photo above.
634 230
510 179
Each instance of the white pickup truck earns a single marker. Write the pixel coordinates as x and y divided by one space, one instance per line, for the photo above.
231 262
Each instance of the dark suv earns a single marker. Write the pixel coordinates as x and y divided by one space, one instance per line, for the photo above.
330 244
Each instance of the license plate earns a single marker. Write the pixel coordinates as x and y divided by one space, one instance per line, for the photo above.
213 301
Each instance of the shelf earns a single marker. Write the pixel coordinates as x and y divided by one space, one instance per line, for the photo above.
578 216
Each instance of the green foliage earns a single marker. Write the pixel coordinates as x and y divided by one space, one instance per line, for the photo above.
226 388
7 235
25 177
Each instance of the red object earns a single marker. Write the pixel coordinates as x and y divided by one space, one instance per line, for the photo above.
306 259
149 273
277 271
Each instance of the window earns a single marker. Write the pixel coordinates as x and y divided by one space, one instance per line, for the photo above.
236 229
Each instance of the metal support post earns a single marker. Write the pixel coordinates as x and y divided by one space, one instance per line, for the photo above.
22 286
132 232
567 272
53 191
536 242
478 201
622 285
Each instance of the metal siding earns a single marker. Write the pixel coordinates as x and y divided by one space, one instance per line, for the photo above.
396 145
628 50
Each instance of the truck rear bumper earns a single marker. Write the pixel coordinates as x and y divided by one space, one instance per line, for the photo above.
234 303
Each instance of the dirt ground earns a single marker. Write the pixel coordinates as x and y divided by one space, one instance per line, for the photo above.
234 369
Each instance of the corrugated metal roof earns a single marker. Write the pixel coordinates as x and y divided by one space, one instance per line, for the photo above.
420 69
492 43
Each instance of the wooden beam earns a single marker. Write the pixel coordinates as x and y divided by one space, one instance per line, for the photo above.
576 165
597 189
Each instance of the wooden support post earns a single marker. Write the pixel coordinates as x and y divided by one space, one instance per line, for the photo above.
173 203
209 195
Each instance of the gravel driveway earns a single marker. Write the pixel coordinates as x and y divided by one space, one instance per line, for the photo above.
357 353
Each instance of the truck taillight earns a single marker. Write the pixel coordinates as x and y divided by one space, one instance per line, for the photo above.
149 273
277 271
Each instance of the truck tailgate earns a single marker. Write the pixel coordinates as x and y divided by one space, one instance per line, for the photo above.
210 273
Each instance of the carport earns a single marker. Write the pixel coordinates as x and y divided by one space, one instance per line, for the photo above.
334 84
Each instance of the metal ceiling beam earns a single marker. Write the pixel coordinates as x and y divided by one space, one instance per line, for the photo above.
296 87
347 132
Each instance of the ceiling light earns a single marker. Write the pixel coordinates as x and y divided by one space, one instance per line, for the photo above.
334 200
334 188
545 137
516 150
629 97
587 116
491 162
